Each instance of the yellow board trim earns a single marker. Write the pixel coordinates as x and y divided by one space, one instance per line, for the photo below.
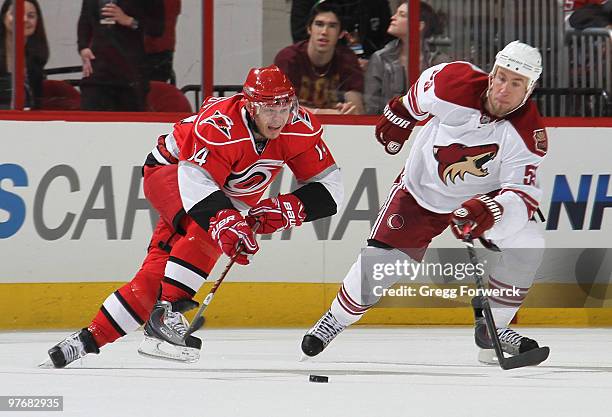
262 304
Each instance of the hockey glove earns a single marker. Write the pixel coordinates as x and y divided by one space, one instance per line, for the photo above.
480 213
394 126
233 235
280 213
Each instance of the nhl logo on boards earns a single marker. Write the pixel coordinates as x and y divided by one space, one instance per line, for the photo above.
541 141
395 221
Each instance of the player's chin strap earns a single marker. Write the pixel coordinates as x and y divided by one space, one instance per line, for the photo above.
198 318
529 358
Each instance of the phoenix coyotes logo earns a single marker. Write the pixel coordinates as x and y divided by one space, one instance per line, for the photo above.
456 160
222 122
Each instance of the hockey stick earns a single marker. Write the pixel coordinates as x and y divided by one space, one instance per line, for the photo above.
531 357
198 319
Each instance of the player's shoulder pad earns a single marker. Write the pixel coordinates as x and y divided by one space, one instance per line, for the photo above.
529 125
302 124
461 83
220 121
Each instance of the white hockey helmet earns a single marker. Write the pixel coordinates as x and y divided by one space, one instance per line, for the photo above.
522 59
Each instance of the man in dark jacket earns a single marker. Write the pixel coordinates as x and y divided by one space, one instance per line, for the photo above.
111 46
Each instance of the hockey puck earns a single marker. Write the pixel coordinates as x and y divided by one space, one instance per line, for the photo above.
318 378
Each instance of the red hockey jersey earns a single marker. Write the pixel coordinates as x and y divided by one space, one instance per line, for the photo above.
216 150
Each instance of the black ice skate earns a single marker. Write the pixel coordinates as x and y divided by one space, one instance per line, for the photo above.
320 335
72 348
512 343
164 333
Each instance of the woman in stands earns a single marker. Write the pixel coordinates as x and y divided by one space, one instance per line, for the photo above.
385 77
36 53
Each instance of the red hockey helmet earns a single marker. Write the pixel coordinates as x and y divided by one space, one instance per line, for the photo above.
268 86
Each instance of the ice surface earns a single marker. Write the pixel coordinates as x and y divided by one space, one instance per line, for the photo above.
391 371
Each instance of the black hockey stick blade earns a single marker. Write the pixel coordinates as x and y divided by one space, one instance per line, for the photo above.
532 357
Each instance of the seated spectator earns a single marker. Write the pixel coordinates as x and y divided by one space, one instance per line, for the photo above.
160 50
569 6
364 20
36 53
386 74
326 75
592 16
111 45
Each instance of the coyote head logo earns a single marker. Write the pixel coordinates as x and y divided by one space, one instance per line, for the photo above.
456 160
221 122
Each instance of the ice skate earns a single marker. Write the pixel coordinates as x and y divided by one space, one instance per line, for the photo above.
164 333
320 335
71 348
512 342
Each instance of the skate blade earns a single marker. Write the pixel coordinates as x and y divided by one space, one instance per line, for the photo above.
46 364
158 349
487 357
303 357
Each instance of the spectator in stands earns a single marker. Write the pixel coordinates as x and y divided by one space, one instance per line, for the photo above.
325 74
572 5
160 50
386 74
592 16
363 20
36 53
569 6
111 46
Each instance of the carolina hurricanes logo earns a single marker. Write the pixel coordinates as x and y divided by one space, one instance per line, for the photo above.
222 122
301 117
253 179
456 160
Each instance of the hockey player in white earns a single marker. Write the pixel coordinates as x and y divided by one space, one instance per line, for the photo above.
473 163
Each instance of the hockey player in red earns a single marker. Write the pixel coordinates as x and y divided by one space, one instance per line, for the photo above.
473 163
201 177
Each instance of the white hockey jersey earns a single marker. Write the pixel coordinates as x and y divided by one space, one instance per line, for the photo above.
463 151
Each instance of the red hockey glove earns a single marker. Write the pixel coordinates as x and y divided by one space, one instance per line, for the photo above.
394 126
233 235
480 213
280 213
